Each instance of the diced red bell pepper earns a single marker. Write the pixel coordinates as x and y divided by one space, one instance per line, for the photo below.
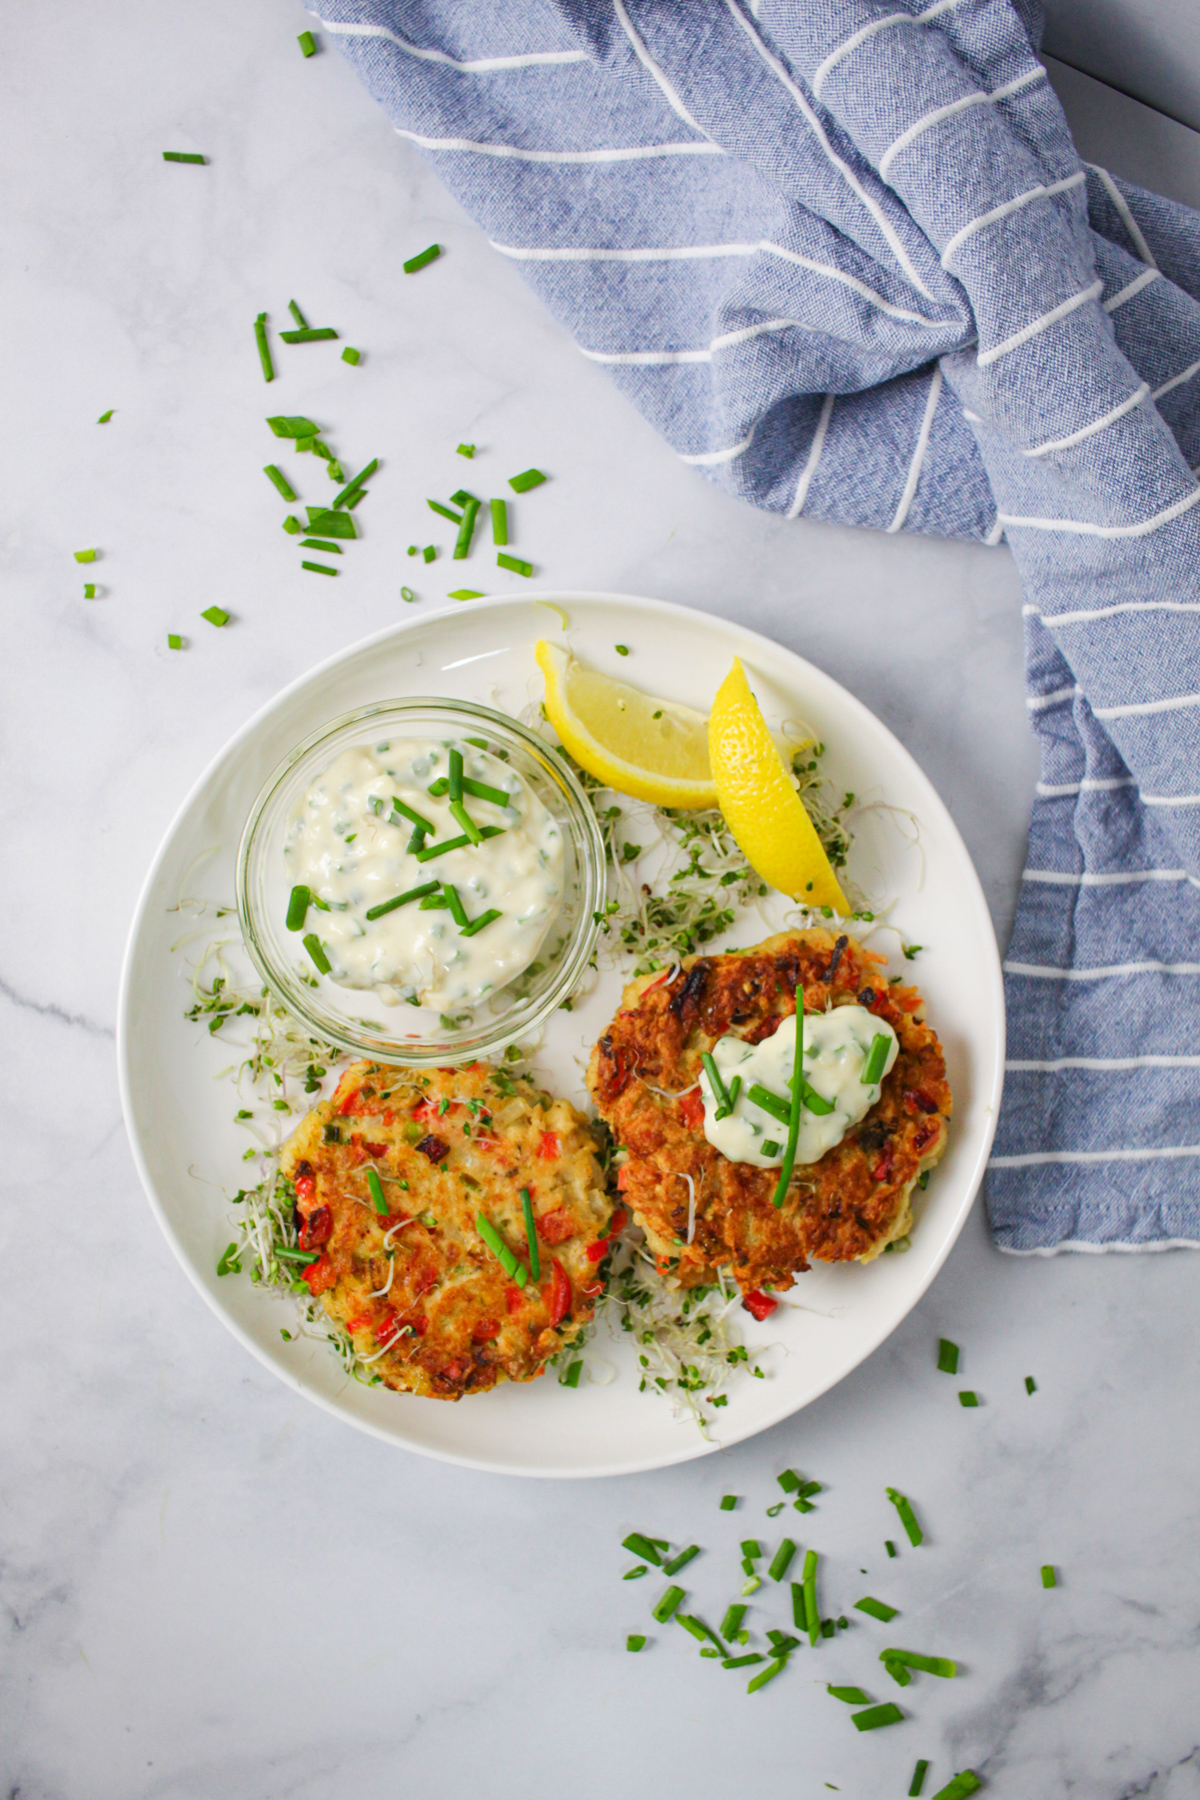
375 1150
623 1178
348 1102
558 1303
514 1299
320 1275
485 1329
556 1227
760 1304
549 1146
618 1222
599 1249
691 1108
317 1229
306 1187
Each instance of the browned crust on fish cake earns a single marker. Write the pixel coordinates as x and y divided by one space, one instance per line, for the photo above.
452 1322
845 1207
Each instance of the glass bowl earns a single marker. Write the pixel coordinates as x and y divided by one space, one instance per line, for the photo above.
357 1019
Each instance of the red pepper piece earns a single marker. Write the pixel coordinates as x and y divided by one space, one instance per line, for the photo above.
918 1100
549 1147
691 1108
375 1150
618 1221
514 1299
348 1102
599 1249
486 1328
760 1304
305 1186
623 1178
556 1227
317 1229
434 1148
559 1302
320 1275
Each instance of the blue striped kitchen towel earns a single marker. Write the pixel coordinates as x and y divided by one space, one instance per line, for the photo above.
847 260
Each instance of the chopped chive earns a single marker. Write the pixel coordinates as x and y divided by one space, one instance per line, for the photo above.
773 1512
303 1257
720 1091
925 1665
297 910
216 615
642 1546
741 1662
325 544
460 496
174 641
477 925
781 1559
908 1517
466 529
264 349
280 480
229 1264
351 355
407 594
877 1055
375 1188
529 478
467 450
621 649
635 1641
875 1716
499 510
318 568
751 1547
459 812
434 903
294 309
967 1397
728 1502
535 1259
966 1782
812 1619
782 1642
324 522
313 945
106 416
918 1780
454 779
429 553
678 1562
425 256
292 425
500 1250
356 496
437 507
793 1137
789 1481
387 906
438 788
85 556
639 1569
751 1585
465 594
799 1615
668 1604
890 1547
947 1360
457 843
479 790
458 911
406 812
351 487
1030 1385
514 563
188 156
311 334
308 45
748 1565
827 1628
731 1624
853 1696
89 590
769 1673
292 525
697 1629
770 1148
1049 1578
877 1609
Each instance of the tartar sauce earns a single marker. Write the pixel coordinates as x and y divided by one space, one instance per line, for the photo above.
350 846
837 1045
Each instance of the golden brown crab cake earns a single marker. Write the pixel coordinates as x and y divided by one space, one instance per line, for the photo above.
644 1075
428 1305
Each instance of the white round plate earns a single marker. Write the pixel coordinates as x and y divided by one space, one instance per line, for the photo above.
189 1151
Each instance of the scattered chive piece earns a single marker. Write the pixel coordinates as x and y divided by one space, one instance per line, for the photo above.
789 1481
529 478
174 641
793 1136
728 1502
454 779
741 1662
297 911
324 522
292 525
875 1716
467 450
352 487
908 1517
460 813
769 1673
216 615
812 1620
621 649
782 1642
731 1624
318 568
748 1566
387 906
508 1262
294 309
280 480
307 43
889 1547
190 156
1030 1385
410 813
229 1264
799 1615
918 1780
720 1091
967 1397
535 1260
350 355
291 425
499 509
375 1188
751 1584
326 544
668 1604
635 1642
638 1569
877 1609
770 1148
106 416
697 1629
83 556
426 256
897 1671
264 350
751 1547
515 564
407 594
642 1546
466 528
851 1695
356 496
479 790
313 945
446 511
429 553
457 843
967 1782
308 334
947 1357
303 1257
464 594
827 1628
89 590
679 1562
458 911
925 1665
877 1055
477 925
781 1560
1049 1578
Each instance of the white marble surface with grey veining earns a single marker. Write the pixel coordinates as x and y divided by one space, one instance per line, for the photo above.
209 1588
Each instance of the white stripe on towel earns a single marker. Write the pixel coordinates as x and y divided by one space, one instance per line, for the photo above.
1115 878
479 65
954 107
1130 289
647 253
1169 387
1084 527
652 69
1101 1064
1035 702
813 458
708 458
1010 206
1034 1158
1086 431
918 456
1091 784
1037 326
1112 972
1127 219
630 153
1134 709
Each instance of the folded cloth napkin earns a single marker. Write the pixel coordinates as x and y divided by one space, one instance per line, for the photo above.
846 258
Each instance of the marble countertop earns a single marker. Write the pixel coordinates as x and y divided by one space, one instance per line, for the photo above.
210 1588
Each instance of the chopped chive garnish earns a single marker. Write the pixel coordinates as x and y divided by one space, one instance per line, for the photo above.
679 1562
425 256
529 478
812 1618
303 1257
875 1716
280 480
174 641
216 615
878 1609
375 1188
387 906
793 1137
751 1584
318 568
947 1357
406 812
297 911
292 525
769 1673
458 911
325 544
966 1782
500 1250
190 156
741 1662
308 334
908 1517
769 1147
313 945
459 812
642 1546
639 1569
294 309
308 45
621 649
467 450
85 556
751 1547
635 1641
853 1696
89 590
106 416
799 1615
479 790
407 594
668 1604
728 1502
454 779
438 788
748 1565
229 1264
967 1397
926 1665
789 1481
446 512
457 843
889 1547
731 1624
460 496
264 349
465 594
781 1560
1030 1385
351 355
719 1090
466 529
356 496
697 1629
292 425
535 1259
877 1055
351 487
477 925
499 510
429 553
782 1642
1049 1578
324 522
918 1780
514 563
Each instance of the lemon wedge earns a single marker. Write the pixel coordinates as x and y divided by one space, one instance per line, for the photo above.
762 809
651 749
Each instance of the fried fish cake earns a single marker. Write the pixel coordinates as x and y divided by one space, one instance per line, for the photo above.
643 1077
428 1305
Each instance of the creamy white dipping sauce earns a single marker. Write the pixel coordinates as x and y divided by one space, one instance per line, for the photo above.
347 845
837 1045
